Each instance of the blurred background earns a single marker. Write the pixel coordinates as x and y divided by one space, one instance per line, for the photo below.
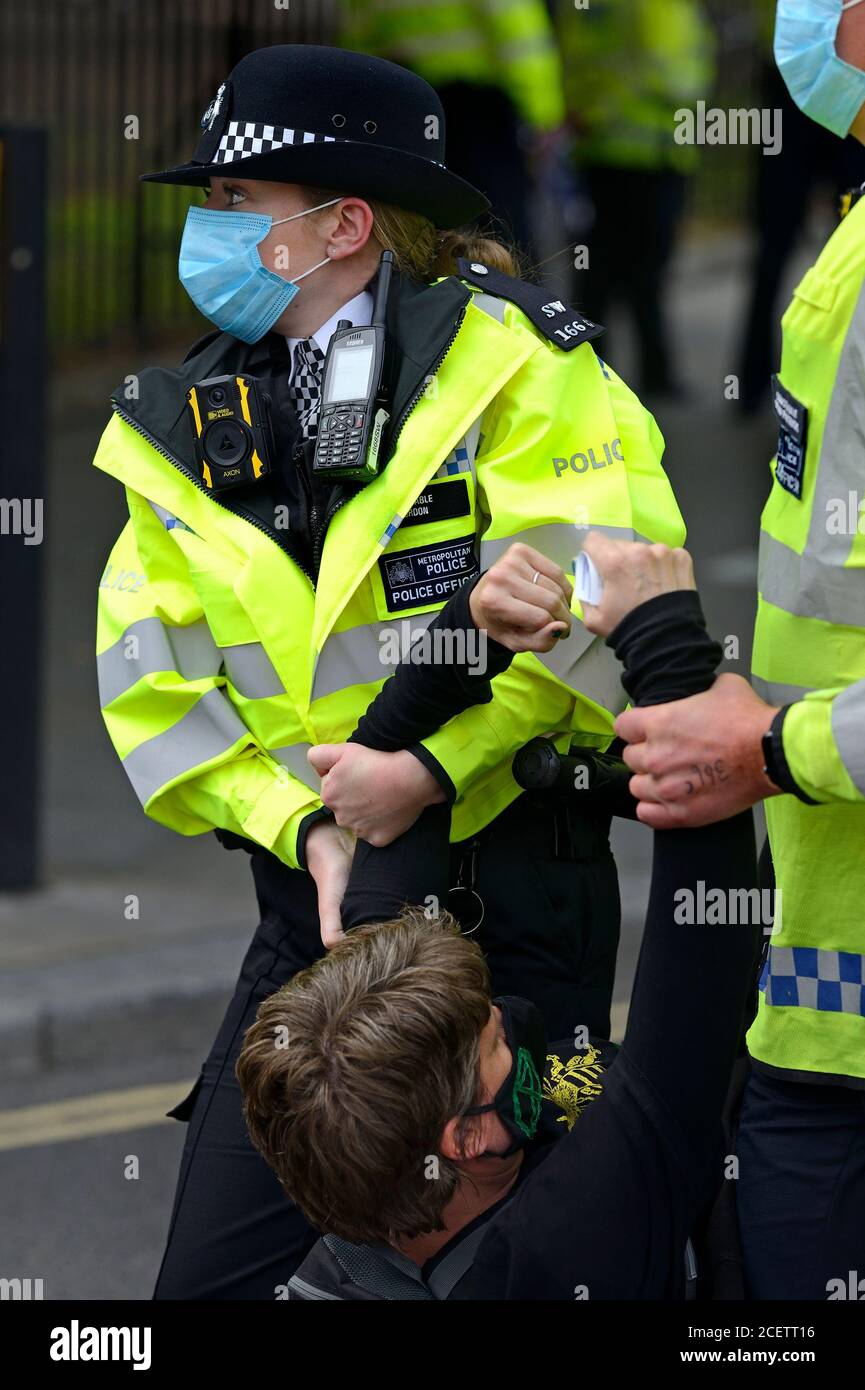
565 114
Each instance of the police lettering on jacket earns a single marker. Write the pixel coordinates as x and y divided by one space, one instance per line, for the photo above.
581 462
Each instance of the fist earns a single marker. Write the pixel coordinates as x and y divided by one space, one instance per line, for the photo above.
523 601
632 573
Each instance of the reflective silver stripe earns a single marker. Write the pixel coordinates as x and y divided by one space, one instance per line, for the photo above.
818 585
417 45
210 728
777 693
168 519
251 671
490 304
532 46
806 977
586 665
848 730
293 757
806 588
358 656
558 540
150 645
311 1293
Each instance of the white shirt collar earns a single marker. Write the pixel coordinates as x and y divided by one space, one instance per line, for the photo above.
359 313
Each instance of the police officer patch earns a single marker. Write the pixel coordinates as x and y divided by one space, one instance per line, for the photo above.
428 575
792 418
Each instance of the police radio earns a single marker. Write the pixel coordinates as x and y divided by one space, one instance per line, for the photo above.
231 424
352 412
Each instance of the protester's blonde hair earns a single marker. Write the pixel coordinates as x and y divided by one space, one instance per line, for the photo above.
421 250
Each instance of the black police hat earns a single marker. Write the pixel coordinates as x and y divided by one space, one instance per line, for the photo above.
302 113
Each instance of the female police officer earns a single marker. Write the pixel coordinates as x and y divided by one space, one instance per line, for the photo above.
241 624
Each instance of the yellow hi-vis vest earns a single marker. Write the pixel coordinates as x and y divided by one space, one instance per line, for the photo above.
508 44
220 664
809 648
630 66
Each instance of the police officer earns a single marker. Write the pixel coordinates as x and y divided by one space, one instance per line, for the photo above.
253 626
629 66
799 741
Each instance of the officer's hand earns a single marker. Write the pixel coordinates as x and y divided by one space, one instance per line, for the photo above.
632 573
523 601
376 795
328 857
698 760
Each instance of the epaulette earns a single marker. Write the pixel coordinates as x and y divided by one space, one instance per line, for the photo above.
558 321
850 199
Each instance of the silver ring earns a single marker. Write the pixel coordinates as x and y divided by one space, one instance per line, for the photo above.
536 576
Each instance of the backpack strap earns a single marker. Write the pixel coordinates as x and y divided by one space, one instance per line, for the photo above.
449 1271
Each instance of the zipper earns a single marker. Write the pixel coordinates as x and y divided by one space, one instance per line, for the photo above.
407 410
235 511
394 436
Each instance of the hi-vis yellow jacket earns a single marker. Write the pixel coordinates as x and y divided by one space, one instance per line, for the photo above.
508 44
809 652
630 66
221 661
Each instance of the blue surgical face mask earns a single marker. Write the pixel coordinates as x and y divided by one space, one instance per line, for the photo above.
822 85
222 272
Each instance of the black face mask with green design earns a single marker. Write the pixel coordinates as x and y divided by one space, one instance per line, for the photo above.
518 1100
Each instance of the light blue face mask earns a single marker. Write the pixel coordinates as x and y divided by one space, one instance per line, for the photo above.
822 85
222 272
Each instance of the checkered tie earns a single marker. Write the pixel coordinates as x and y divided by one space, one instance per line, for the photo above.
305 388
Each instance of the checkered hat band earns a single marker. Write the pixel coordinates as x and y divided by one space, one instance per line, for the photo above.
243 138
806 977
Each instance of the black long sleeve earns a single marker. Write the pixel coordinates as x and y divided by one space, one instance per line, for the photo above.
611 1205
422 695
668 654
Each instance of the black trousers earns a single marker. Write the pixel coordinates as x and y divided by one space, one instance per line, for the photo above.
801 1189
550 932
636 274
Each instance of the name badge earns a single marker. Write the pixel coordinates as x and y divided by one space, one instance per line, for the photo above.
428 575
792 418
439 502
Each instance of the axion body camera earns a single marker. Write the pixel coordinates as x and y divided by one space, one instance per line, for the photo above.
231 425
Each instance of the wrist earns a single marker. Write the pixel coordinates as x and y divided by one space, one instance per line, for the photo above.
318 837
777 769
767 744
422 787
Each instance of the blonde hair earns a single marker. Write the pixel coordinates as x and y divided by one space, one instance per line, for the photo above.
421 250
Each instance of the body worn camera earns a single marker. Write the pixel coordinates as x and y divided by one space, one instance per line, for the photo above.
231 425
353 410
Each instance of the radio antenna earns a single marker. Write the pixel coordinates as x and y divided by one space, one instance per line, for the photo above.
385 271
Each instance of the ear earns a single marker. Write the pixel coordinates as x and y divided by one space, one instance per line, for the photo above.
471 1135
